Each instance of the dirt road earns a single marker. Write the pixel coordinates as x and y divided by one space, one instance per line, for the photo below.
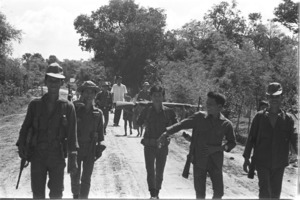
120 172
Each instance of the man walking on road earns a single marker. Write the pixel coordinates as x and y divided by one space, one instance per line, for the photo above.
156 118
271 133
103 101
206 147
90 135
118 92
53 121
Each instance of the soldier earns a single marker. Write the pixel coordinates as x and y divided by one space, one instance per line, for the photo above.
104 102
206 147
271 132
119 92
90 135
143 95
127 117
156 118
53 120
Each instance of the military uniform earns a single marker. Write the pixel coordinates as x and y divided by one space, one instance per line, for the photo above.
207 149
104 102
155 158
51 132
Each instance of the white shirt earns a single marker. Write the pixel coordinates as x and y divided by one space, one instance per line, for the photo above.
118 92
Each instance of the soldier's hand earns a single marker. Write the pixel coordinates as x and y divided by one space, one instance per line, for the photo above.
246 165
22 151
162 139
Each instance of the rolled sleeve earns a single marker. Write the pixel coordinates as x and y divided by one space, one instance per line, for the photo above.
28 121
187 123
72 129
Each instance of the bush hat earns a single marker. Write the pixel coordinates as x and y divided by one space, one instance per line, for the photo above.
88 84
274 89
146 84
55 70
106 83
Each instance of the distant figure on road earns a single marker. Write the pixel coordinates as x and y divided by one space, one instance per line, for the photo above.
127 117
90 136
118 92
272 131
209 129
156 118
103 101
143 95
53 121
263 105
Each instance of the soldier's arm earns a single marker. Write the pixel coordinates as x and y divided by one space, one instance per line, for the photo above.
230 137
294 136
187 123
28 122
72 129
251 137
173 117
100 128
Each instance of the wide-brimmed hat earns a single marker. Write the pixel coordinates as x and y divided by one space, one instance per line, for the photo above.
274 89
88 84
146 84
55 70
106 83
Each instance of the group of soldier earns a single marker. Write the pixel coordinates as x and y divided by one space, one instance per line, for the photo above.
76 129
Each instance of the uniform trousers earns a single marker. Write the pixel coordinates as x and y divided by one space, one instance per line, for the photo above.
216 177
47 162
155 160
105 112
81 182
269 182
117 116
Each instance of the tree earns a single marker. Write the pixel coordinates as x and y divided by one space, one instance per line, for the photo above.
123 36
7 34
287 14
226 19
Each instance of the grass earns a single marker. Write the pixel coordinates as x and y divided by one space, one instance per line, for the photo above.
14 105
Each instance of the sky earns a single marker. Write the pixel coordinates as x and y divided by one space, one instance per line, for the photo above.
47 25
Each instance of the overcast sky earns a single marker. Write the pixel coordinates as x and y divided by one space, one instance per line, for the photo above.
48 28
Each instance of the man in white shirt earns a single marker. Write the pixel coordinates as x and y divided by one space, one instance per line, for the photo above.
118 92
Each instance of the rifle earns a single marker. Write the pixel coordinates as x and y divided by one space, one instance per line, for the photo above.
186 169
123 104
28 153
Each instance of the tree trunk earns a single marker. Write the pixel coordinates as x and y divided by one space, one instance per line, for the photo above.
239 115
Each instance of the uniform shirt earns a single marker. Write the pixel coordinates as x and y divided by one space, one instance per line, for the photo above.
118 92
144 95
272 144
104 99
88 123
156 122
207 137
47 125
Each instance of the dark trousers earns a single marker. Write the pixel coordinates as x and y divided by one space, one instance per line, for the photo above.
50 163
155 160
81 182
216 177
270 182
117 116
105 112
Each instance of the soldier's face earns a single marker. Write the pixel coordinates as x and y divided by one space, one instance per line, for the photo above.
88 95
212 107
53 84
275 101
157 97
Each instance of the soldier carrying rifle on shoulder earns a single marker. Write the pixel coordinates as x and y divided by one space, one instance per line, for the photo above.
49 129
206 150
90 136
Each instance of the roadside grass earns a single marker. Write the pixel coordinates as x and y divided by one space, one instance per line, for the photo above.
14 105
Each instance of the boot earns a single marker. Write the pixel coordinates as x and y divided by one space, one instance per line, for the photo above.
153 194
75 196
156 193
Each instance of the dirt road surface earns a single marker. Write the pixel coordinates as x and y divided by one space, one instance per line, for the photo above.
120 172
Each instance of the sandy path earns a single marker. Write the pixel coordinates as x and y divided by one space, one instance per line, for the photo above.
121 173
